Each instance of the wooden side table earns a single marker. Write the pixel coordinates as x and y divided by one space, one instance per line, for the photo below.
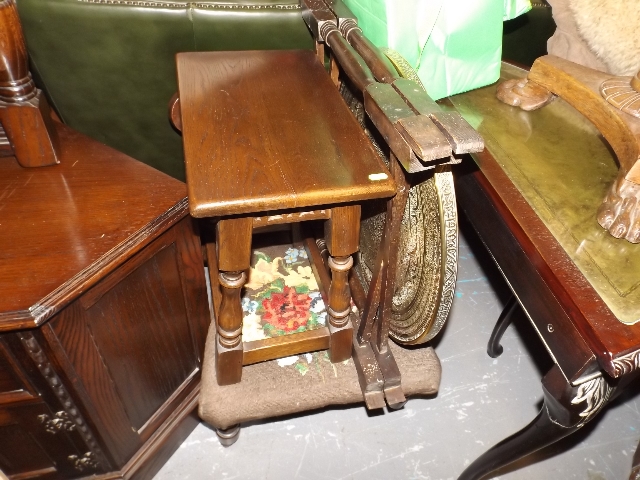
103 315
268 139
533 200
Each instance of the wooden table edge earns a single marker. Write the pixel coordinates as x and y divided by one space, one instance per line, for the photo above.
555 265
41 311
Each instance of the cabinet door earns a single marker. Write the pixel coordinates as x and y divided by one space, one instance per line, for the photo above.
131 346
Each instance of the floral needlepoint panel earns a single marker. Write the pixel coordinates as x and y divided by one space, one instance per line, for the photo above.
281 295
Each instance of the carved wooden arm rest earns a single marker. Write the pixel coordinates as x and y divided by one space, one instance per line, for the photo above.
24 111
612 104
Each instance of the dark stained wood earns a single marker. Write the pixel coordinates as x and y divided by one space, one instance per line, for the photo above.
582 335
165 440
31 132
284 140
588 315
379 102
562 413
526 270
342 234
233 240
428 141
352 64
100 255
16 84
319 265
424 137
297 145
24 111
379 64
286 345
494 349
389 253
14 382
92 223
89 299
214 282
131 352
342 230
27 450
388 259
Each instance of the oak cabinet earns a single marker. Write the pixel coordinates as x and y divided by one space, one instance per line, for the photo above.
102 319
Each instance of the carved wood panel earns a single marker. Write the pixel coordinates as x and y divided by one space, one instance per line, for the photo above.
31 446
128 345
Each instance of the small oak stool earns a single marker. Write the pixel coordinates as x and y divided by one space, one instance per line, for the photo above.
268 140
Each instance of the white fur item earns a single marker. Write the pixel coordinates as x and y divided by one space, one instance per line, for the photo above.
611 29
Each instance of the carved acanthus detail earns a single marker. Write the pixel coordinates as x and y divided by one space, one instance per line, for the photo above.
59 422
627 363
595 393
86 462
71 412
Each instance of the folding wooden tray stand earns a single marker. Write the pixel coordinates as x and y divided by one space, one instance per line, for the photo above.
268 140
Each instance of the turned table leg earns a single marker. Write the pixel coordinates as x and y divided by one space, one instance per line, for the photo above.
24 110
342 233
566 408
233 239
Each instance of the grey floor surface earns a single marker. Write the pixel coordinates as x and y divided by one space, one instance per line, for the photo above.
481 401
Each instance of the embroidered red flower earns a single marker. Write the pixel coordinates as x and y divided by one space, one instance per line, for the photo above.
288 310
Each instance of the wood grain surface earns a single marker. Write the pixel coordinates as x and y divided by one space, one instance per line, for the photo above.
269 131
78 211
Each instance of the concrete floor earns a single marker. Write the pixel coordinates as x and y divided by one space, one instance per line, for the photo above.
481 401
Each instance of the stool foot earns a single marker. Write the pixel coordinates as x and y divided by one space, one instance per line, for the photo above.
341 342
228 436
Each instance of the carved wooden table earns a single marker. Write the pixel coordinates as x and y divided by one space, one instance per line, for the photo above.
103 315
533 199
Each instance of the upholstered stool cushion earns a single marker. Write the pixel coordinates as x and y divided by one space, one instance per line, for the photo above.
298 384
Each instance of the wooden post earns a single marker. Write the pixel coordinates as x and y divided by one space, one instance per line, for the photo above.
233 239
342 233
24 111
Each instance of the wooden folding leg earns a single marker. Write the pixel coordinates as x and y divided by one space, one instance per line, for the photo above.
233 239
342 234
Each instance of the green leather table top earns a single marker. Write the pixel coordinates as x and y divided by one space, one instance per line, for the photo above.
562 167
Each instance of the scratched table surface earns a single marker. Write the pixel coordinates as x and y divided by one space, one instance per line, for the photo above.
268 130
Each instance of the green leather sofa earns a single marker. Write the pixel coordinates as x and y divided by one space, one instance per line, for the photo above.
108 65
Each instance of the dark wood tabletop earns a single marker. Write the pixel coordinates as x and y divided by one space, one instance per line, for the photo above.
62 227
268 130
